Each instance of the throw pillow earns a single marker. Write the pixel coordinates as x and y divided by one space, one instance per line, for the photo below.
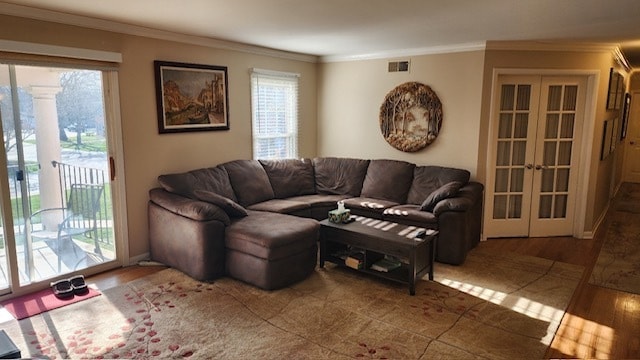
445 191
229 206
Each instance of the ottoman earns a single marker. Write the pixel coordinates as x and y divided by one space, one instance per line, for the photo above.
271 250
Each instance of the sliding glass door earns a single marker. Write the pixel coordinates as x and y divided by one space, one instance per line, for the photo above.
56 188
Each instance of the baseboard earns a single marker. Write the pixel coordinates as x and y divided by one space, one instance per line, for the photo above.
136 259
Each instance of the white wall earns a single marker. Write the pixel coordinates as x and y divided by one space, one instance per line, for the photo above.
350 94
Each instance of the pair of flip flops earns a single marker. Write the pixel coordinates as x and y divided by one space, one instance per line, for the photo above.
67 288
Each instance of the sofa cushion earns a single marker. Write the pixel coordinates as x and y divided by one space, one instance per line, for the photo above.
411 215
426 179
185 207
249 181
445 191
319 200
339 176
232 208
290 177
213 179
283 206
368 207
271 236
388 180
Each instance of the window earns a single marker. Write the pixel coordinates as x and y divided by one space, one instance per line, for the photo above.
274 102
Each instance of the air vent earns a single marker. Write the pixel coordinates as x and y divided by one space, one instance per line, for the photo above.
399 66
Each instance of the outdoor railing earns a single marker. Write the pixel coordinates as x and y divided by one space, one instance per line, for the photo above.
72 174
67 175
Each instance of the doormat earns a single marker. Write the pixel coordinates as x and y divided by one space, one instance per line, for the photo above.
38 302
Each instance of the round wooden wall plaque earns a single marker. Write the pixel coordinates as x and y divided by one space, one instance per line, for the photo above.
410 117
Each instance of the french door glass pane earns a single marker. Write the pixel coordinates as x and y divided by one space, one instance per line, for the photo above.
515 206
555 96
500 207
547 180
566 131
504 153
519 152
517 180
502 180
560 207
549 153
524 97
562 181
551 131
570 98
564 153
545 206
506 97
522 125
504 131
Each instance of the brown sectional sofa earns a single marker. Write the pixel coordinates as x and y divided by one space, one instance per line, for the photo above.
256 221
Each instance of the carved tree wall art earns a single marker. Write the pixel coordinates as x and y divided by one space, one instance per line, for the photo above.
411 117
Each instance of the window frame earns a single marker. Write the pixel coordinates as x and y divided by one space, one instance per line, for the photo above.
284 114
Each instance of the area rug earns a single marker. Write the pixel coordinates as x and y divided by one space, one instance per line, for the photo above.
618 264
492 307
44 300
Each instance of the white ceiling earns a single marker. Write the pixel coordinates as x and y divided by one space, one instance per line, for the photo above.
351 28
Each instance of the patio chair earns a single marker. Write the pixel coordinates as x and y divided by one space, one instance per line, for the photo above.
79 217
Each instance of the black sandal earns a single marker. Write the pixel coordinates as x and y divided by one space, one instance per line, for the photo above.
62 289
78 285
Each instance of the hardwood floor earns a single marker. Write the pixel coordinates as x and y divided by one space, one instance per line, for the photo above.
599 323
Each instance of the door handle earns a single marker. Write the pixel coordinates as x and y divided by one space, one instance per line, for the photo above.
632 142
528 166
112 168
538 167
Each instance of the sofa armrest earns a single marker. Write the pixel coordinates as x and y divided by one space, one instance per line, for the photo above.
186 207
467 196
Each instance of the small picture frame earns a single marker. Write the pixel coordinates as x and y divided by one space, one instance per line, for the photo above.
625 116
616 90
191 97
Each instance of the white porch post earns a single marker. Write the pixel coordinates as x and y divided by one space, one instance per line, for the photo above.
47 147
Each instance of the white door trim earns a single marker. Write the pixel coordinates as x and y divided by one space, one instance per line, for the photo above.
584 167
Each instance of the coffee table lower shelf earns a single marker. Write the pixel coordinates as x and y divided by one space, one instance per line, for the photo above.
418 255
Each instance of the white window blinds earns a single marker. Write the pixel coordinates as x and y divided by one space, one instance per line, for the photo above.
274 103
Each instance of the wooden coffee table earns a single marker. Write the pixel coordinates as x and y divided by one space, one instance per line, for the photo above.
376 238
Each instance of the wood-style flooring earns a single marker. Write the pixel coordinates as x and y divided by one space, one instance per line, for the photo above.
600 323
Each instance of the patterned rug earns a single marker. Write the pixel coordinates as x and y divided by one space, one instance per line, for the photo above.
492 307
618 264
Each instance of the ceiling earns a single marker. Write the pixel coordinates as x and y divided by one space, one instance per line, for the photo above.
356 28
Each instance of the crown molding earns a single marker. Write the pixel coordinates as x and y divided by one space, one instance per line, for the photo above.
551 46
113 26
61 51
432 50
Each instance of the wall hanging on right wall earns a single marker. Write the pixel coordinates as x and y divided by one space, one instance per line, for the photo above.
411 117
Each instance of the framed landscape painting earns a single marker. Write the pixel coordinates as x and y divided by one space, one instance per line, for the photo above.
191 97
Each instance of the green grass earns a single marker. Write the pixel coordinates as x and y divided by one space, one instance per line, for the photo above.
90 142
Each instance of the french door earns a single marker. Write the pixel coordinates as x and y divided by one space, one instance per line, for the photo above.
57 213
532 178
632 151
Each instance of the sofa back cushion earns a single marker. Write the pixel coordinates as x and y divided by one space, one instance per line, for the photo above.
388 180
339 176
249 181
290 177
213 179
427 179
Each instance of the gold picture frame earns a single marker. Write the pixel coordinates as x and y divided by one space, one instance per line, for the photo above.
191 97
